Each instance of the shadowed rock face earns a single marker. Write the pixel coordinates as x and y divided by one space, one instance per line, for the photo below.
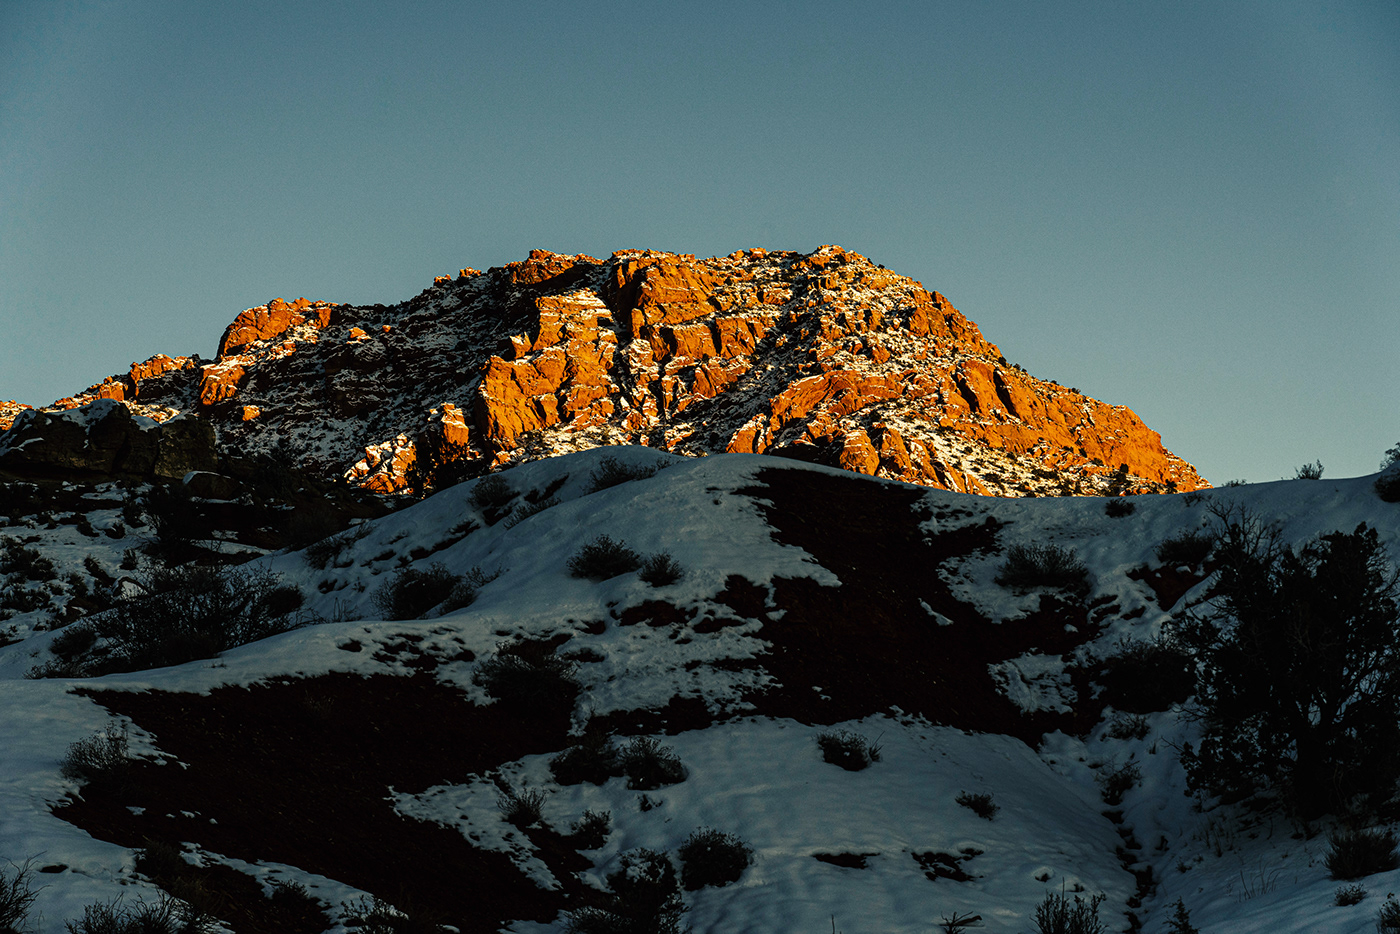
105 439
824 356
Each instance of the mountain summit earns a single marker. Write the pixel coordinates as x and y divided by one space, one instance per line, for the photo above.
825 357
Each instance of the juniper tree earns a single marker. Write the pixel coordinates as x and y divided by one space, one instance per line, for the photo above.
1299 672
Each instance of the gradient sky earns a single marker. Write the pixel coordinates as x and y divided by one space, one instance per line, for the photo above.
1192 209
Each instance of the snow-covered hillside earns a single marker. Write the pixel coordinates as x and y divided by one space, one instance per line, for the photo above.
361 757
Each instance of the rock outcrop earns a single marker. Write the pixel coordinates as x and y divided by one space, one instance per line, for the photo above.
104 439
825 356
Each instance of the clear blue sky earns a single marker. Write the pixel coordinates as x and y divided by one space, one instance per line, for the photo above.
1192 209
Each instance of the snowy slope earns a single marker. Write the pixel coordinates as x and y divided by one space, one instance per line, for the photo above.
787 622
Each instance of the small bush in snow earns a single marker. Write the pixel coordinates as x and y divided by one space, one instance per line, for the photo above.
1059 915
1308 472
644 898
1348 895
465 591
1142 677
166 916
649 765
1115 782
604 558
73 641
1359 853
16 897
1388 917
979 804
526 510
1118 507
528 677
411 593
321 554
1127 726
521 808
1190 548
21 564
661 569
592 830
709 857
189 612
851 751
592 759
376 916
103 755
1029 566
491 495
612 472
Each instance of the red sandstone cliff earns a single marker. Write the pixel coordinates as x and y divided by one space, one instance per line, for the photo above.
824 356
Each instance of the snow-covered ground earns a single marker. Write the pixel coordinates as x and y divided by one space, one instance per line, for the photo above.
756 775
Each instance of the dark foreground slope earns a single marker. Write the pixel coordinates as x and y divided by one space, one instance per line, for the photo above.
359 757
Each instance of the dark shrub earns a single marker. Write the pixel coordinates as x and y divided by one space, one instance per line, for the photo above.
1125 726
592 830
592 759
1309 619
709 857
166 916
526 510
661 569
1180 921
1311 471
283 600
100 756
649 765
979 804
1030 566
190 612
1348 895
1190 548
1115 783
1388 917
16 897
492 496
521 808
177 520
327 551
376 916
604 558
851 751
644 898
73 641
1359 853
22 564
529 677
1142 677
1388 486
1119 507
1058 915
611 472
468 586
410 593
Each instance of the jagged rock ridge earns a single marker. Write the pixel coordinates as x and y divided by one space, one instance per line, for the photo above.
825 356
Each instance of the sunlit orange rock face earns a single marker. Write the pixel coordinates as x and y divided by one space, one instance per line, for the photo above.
824 356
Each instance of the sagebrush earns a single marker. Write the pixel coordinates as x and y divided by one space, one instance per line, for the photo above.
710 857
1030 566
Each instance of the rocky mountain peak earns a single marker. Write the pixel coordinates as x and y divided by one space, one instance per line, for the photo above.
824 356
